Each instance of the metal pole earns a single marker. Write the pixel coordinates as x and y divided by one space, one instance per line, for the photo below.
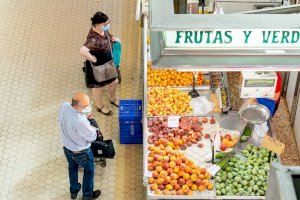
138 10
295 100
145 121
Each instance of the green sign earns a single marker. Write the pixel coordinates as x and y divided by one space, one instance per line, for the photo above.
257 38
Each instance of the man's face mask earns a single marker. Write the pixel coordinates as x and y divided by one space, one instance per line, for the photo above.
87 110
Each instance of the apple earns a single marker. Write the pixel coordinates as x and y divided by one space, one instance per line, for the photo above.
212 121
228 136
223 147
195 120
204 120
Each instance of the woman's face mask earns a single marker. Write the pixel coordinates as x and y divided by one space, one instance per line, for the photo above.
106 27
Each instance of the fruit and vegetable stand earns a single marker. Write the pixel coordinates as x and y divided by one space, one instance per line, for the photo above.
188 155
182 151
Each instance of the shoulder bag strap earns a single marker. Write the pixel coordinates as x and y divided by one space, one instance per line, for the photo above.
110 48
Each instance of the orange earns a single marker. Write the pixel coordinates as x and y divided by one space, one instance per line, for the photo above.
181 173
201 188
207 175
194 187
205 182
186 176
210 186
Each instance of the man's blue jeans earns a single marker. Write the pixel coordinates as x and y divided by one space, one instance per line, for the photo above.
86 160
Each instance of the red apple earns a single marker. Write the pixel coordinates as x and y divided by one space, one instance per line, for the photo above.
228 136
212 121
223 147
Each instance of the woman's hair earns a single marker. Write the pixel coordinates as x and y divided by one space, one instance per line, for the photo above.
99 18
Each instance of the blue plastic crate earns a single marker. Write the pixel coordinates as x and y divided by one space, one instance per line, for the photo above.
131 110
131 129
131 140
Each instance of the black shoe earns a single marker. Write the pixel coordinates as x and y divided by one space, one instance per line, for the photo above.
95 195
74 195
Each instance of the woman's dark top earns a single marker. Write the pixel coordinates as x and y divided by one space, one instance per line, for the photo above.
100 48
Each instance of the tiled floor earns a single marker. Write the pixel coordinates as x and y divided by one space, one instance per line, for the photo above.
40 68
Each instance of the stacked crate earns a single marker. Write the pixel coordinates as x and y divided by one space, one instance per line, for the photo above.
130 121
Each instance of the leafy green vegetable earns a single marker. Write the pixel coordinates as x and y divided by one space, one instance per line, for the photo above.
220 155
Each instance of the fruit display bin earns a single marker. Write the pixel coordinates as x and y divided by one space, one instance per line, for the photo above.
192 153
186 88
196 195
202 90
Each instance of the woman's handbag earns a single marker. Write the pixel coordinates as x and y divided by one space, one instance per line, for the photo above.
107 71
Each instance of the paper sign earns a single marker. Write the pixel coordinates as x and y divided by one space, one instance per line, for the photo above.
213 170
261 129
217 142
173 121
273 145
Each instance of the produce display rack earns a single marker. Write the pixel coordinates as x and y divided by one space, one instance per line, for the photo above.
204 89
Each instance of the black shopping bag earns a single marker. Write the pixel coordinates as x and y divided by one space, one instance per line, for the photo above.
103 149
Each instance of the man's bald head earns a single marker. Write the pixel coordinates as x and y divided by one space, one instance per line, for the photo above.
80 100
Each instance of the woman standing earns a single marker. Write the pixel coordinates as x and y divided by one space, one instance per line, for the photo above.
97 49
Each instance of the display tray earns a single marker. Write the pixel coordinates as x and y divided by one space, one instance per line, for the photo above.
241 197
196 195
198 155
201 195
204 91
186 88
202 156
223 132
190 152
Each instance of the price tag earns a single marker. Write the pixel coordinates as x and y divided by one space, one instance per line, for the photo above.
273 145
217 142
213 170
173 121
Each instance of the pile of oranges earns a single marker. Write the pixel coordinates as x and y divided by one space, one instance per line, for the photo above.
168 101
170 77
175 174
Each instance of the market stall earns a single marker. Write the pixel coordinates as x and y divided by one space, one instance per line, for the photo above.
183 150
195 147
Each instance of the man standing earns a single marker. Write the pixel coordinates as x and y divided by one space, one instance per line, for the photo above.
77 135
